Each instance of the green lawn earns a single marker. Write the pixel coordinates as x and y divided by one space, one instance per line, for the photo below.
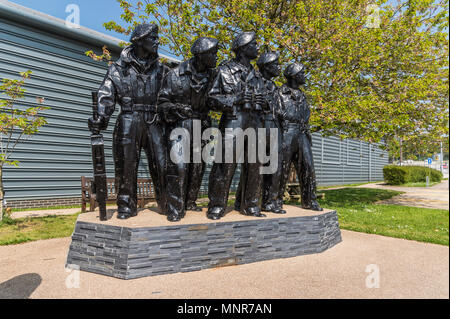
356 210
16 231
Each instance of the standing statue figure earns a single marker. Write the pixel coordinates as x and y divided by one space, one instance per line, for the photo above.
237 93
269 67
297 140
183 99
133 82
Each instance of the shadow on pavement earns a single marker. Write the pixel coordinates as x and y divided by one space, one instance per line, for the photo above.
20 287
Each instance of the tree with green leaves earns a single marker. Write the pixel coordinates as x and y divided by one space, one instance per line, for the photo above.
377 70
17 123
418 148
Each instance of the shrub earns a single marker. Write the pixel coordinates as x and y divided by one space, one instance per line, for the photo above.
394 175
398 175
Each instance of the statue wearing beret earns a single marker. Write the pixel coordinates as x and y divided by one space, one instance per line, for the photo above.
183 101
238 93
268 65
297 141
133 82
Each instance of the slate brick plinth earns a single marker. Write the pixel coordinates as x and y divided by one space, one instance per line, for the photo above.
128 252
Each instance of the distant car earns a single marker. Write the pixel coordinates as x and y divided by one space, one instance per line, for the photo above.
445 166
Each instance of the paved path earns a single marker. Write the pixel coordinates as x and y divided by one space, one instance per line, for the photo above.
46 212
436 196
407 269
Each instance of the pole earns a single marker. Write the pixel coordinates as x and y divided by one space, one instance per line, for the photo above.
442 160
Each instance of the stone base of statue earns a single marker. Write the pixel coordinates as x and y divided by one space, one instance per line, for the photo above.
149 245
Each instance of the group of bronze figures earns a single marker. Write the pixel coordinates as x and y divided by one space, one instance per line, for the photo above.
155 99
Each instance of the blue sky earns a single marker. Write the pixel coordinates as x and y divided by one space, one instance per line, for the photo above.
93 13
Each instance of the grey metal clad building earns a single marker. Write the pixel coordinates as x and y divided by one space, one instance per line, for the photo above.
52 162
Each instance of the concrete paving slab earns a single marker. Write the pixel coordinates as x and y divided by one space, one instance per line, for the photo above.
407 269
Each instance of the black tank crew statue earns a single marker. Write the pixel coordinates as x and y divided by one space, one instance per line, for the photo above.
297 140
237 93
269 67
183 100
133 82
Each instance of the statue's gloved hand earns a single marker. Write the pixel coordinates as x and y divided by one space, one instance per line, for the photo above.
169 114
184 110
100 124
261 99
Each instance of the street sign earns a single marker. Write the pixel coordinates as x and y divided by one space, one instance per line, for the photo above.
430 160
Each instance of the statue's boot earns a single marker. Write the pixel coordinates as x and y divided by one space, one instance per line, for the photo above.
193 207
252 211
314 206
215 213
124 213
271 207
279 210
174 217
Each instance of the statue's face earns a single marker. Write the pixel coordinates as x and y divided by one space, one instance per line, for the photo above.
251 50
300 77
273 68
209 59
151 43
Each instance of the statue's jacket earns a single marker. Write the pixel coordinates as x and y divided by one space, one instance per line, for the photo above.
295 109
134 85
273 111
232 80
184 86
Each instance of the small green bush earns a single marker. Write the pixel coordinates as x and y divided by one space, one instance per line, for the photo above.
394 175
398 175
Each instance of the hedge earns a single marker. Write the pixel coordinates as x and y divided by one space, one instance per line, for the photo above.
398 175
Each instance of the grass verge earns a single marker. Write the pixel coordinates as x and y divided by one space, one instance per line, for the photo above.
357 211
16 231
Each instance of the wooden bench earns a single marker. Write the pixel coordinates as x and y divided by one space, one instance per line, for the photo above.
145 190
292 190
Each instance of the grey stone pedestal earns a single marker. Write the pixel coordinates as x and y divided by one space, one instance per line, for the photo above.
148 245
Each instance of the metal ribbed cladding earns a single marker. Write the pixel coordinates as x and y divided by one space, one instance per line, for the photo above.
129 253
